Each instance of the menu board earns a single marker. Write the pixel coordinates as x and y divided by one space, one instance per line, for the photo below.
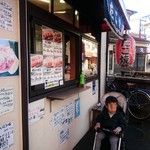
47 68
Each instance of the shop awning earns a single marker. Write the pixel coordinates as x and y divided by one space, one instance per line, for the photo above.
109 14
115 16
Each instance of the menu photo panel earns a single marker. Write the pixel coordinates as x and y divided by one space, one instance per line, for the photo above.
47 67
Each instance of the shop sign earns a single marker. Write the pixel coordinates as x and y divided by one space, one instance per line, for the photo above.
125 51
113 17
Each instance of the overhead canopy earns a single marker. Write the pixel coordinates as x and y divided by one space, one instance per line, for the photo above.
106 14
116 17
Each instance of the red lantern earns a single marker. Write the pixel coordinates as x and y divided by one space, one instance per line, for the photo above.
125 51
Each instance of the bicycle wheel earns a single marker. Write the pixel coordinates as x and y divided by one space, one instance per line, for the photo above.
139 105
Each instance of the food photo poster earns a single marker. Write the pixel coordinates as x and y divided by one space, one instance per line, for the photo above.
9 63
47 67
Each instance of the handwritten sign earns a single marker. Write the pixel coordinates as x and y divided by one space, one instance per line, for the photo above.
59 117
6 135
6 100
64 135
36 111
6 19
70 112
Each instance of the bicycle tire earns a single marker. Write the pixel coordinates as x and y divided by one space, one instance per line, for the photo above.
139 105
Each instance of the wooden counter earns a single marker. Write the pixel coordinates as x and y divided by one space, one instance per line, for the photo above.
67 93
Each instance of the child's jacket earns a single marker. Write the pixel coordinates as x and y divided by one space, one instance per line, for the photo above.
111 123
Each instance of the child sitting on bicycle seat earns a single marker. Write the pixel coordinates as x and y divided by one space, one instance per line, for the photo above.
110 118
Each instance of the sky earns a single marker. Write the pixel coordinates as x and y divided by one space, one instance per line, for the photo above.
141 6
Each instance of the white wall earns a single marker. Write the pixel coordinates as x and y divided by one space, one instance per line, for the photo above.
42 134
13 81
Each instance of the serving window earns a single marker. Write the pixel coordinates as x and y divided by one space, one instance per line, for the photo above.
56 56
52 59
89 58
70 57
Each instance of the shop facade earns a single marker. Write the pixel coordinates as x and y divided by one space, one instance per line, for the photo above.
46 47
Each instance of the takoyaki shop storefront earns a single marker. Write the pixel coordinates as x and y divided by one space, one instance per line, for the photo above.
58 74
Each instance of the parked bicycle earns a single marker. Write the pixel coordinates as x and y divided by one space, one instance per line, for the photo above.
138 99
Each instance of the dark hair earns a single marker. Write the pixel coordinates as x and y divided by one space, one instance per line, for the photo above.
111 99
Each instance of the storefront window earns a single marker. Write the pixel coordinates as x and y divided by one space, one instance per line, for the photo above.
70 56
139 68
148 62
60 9
52 60
38 39
141 62
89 57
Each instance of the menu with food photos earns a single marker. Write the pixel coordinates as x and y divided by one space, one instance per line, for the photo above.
47 68
36 65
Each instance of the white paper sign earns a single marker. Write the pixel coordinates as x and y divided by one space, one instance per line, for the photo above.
59 117
6 100
64 135
36 111
6 135
6 18
70 109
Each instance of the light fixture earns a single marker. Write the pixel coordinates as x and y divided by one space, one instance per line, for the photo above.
46 1
76 12
60 12
62 1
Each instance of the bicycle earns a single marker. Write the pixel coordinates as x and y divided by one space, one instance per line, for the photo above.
138 100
